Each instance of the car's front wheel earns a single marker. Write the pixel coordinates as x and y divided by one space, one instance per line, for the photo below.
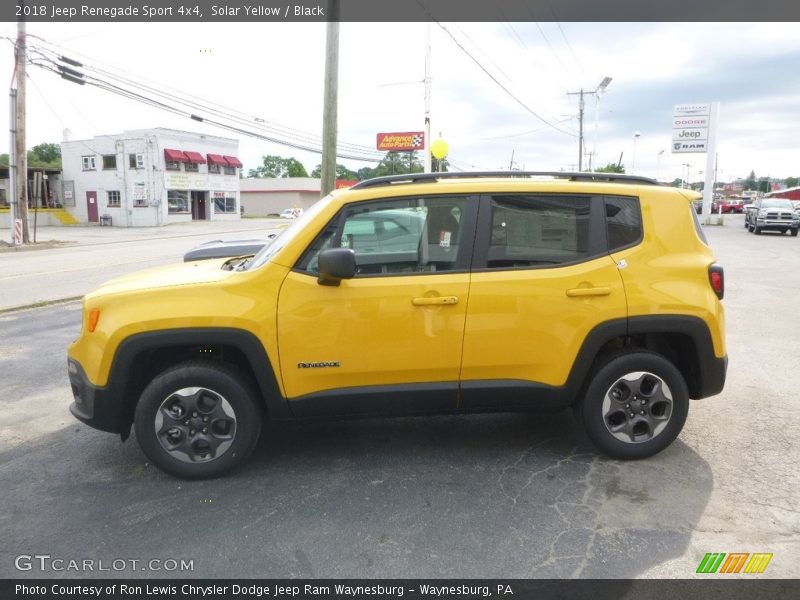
198 420
635 405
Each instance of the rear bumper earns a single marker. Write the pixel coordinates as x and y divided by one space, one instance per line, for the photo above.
713 380
93 405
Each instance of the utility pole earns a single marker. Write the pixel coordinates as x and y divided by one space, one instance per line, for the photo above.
21 193
598 90
580 128
428 161
329 111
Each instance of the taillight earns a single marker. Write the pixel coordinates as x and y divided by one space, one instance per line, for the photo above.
716 277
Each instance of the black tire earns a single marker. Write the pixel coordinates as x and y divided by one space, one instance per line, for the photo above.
198 420
793 232
757 230
641 383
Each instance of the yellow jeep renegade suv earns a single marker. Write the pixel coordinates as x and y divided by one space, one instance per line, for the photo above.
429 293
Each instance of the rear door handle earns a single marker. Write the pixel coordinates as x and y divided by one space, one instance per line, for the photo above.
435 301
590 291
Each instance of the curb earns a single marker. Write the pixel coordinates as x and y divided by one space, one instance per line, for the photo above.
39 304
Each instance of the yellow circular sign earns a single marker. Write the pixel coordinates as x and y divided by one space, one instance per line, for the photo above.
439 149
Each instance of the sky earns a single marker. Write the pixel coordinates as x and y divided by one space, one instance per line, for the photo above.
499 91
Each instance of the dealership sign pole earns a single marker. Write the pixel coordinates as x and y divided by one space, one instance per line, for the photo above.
694 130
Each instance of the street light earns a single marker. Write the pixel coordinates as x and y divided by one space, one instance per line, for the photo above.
601 89
636 136
686 181
598 90
658 163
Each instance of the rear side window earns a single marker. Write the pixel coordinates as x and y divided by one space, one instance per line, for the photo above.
534 231
623 222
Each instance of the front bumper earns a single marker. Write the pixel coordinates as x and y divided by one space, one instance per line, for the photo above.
93 405
769 224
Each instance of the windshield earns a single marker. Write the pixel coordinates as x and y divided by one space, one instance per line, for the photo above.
287 235
777 204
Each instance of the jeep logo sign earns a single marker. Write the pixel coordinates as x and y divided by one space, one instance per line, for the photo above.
689 134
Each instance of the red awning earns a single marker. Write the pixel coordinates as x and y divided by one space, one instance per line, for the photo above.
175 155
195 157
216 159
233 161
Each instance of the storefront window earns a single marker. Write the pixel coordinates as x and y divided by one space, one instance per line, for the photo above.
178 201
224 203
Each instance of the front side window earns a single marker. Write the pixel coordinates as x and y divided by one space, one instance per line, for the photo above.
109 161
89 163
113 198
409 235
537 231
177 201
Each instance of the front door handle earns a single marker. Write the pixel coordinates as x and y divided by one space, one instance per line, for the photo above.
589 291
435 301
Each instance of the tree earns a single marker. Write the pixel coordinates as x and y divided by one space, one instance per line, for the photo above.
294 168
750 183
764 185
611 168
790 182
45 155
342 173
278 166
3 160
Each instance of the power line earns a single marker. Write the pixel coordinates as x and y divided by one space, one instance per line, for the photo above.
210 112
504 88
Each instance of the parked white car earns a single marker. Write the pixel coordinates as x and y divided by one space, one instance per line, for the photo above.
291 213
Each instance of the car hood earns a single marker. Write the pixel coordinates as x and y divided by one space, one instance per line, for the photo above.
208 271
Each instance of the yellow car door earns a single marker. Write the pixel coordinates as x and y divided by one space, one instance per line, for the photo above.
542 280
397 326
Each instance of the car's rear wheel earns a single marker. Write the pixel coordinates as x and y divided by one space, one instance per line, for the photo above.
198 420
635 405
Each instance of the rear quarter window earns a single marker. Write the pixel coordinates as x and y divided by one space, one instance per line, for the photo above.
623 222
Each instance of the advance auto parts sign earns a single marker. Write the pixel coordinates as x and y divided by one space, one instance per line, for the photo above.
401 142
690 123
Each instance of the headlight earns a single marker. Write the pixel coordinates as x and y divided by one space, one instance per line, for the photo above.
762 213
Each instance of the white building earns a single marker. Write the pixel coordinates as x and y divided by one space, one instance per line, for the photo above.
151 177
262 197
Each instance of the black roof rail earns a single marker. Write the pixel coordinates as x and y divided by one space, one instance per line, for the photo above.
572 176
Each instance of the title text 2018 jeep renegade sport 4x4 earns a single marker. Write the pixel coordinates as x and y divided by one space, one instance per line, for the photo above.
419 294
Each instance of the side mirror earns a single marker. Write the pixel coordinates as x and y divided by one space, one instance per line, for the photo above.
336 264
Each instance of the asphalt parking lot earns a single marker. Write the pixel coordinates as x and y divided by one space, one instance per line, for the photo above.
498 496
